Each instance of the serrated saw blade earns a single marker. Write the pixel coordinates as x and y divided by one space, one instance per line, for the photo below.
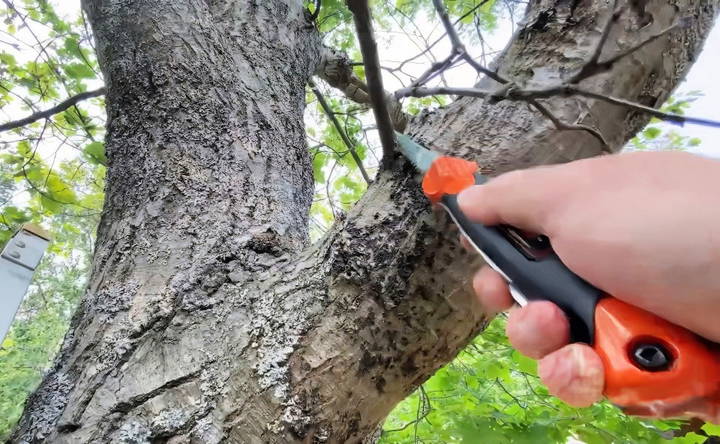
417 154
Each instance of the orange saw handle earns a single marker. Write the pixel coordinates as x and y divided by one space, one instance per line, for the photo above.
652 367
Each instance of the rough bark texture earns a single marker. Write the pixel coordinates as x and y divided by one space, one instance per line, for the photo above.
207 318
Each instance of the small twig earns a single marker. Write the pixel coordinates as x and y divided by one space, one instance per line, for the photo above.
449 27
507 392
316 12
434 68
483 70
562 126
439 39
669 117
561 90
350 145
594 66
591 64
368 47
459 47
60 107
608 64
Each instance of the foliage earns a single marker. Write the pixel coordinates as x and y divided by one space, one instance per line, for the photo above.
491 393
52 173
657 136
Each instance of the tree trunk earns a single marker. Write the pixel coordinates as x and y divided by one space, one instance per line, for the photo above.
208 318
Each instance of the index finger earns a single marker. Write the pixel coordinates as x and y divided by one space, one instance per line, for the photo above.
522 198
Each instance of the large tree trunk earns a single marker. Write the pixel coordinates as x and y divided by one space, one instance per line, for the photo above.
208 318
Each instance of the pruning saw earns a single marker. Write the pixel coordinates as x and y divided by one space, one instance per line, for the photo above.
652 367
18 261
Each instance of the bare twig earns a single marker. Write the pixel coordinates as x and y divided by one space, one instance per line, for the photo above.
439 39
458 47
594 66
60 107
434 68
507 392
449 27
586 70
350 145
368 47
560 90
510 91
562 126
608 64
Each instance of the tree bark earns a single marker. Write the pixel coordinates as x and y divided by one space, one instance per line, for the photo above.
208 318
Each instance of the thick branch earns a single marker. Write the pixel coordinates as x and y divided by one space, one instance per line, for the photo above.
331 115
60 107
363 25
337 70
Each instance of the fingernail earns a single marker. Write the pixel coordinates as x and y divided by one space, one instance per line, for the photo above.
465 196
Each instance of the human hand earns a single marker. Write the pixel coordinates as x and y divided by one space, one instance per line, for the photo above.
643 227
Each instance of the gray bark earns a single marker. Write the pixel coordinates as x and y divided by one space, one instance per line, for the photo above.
208 318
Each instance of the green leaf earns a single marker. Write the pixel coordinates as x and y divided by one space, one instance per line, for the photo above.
79 71
524 364
50 205
651 132
319 161
711 429
96 152
72 46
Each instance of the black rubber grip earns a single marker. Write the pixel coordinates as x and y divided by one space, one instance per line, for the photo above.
541 277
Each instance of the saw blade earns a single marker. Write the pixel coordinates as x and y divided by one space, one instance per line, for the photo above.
417 154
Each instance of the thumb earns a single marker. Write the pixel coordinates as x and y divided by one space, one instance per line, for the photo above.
522 198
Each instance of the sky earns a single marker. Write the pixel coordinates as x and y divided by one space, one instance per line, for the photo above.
702 77
397 46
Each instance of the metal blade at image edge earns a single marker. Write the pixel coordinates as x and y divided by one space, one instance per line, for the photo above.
417 154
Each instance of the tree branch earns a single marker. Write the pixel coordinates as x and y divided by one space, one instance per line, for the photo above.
562 126
316 12
458 47
588 69
368 47
60 107
560 90
336 69
350 145
439 39
458 50
594 66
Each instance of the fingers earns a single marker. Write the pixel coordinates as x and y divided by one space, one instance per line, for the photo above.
574 374
492 290
538 329
520 198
